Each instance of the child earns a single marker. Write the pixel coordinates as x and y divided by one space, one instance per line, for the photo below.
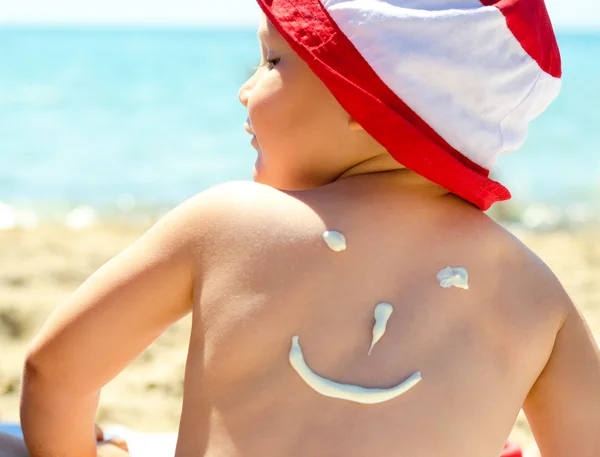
355 300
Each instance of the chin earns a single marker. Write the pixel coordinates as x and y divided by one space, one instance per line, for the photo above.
280 179
259 179
259 176
258 172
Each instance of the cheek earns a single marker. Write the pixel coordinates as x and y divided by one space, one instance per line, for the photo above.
276 118
296 122
285 111
269 108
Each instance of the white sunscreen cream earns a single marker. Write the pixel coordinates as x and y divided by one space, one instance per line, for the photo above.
383 311
453 277
348 392
335 240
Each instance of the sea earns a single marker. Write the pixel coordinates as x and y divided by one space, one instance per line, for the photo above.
117 123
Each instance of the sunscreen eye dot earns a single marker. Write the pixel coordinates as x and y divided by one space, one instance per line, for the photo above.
453 277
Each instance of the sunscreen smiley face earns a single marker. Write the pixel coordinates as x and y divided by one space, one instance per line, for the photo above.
347 392
351 392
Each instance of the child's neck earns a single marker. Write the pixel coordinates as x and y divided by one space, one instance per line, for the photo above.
387 171
379 163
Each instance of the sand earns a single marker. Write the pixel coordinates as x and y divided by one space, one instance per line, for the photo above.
41 267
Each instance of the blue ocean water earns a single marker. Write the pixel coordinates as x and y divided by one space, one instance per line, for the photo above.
147 118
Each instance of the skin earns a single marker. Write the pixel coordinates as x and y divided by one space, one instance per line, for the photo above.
248 261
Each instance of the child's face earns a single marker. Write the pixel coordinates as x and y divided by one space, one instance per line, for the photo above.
303 137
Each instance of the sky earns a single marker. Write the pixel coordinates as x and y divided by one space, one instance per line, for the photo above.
584 14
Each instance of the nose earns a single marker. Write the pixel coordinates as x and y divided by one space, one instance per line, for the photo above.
244 92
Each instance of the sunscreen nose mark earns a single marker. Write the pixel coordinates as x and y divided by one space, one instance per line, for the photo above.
335 240
453 277
383 311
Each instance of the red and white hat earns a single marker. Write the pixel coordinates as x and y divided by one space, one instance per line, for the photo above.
446 86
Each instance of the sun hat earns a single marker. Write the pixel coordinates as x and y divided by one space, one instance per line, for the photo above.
446 86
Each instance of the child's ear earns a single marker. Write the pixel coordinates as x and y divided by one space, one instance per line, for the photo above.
354 126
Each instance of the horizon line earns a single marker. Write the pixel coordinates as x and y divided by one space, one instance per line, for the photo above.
242 25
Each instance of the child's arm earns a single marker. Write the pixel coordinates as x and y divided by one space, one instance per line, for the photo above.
563 407
103 326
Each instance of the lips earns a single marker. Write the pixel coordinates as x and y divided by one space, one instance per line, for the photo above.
248 128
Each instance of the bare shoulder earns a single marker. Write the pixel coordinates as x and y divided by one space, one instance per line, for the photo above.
523 303
520 301
237 192
518 275
531 277
221 210
241 225
563 402
244 210
238 199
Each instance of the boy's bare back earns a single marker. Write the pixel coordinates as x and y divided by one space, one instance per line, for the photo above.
267 275
250 262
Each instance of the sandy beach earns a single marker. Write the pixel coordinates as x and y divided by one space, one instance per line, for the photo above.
40 267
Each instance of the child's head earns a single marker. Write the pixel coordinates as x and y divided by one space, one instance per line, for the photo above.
303 136
444 86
